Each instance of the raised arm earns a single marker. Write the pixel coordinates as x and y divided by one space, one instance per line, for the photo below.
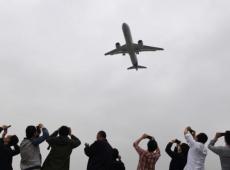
51 137
45 135
216 149
75 142
136 143
188 137
90 149
169 151
4 129
4 133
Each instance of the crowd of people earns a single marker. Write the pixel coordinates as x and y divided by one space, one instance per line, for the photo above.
102 156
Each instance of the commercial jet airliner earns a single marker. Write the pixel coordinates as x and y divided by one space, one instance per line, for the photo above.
131 48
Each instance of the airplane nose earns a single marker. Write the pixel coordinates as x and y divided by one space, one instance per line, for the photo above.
124 26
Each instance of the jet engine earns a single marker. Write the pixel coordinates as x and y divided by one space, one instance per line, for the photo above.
140 43
118 45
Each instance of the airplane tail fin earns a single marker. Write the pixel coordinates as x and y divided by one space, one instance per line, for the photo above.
136 67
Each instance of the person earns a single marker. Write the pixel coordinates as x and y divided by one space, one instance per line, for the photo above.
222 151
117 164
6 152
30 151
99 153
61 148
178 155
1 128
149 157
197 151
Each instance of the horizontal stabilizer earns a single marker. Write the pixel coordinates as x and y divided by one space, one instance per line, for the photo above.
136 67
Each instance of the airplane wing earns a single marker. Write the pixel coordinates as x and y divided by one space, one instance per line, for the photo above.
120 50
146 48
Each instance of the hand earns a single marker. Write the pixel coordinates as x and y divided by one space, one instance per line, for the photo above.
189 128
5 131
6 127
70 131
193 132
40 125
173 141
218 135
145 136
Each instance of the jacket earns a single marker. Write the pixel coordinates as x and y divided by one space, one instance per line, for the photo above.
61 149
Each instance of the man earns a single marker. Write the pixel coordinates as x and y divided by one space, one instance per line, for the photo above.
179 155
6 152
99 153
61 149
149 157
197 152
30 150
222 151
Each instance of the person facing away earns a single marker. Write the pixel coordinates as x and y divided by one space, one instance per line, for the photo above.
149 157
99 153
30 151
61 149
197 151
178 155
222 151
6 152
117 164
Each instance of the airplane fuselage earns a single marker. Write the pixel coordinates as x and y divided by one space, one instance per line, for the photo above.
129 44
131 48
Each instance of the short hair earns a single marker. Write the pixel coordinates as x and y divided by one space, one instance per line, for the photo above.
184 148
202 138
152 145
30 131
13 140
64 131
227 137
102 134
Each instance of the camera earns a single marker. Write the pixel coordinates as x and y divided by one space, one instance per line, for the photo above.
222 134
149 137
193 132
86 145
6 127
177 141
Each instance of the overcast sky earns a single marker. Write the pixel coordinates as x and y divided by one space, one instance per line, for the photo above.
53 70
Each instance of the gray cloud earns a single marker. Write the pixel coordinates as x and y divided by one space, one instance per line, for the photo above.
53 70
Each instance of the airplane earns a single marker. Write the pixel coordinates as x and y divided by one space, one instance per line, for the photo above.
131 48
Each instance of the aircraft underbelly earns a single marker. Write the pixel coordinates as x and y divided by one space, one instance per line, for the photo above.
129 44
134 59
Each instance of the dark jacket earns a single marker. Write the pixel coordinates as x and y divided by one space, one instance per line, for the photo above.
61 149
6 155
178 161
100 155
117 165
